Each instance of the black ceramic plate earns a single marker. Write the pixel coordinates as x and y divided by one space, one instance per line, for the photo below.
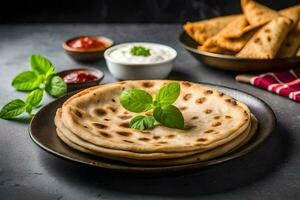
42 131
233 63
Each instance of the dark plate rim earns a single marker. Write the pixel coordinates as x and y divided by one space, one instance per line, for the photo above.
159 169
228 57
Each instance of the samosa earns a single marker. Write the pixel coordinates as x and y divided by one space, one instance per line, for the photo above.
257 14
233 44
267 41
205 29
291 44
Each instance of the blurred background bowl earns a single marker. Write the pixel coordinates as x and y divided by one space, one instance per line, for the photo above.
232 63
87 55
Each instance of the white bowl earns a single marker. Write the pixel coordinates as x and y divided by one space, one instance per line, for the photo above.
134 71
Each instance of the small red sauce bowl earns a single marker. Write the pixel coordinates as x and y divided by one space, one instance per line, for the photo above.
77 86
87 55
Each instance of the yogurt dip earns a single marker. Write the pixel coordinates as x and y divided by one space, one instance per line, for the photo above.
158 53
140 60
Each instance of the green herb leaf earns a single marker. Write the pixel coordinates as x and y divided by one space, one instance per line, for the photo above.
140 51
27 81
34 98
142 122
13 109
28 109
55 86
49 72
42 78
136 100
40 64
169 116
168 94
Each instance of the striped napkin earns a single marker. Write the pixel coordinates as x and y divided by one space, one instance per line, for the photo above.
284 83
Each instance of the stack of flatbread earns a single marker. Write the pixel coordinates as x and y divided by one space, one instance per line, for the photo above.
259 32
94 122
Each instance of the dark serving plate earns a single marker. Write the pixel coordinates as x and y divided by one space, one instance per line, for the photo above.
232 63
43 133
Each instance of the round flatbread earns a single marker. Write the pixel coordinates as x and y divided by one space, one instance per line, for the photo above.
211 119
208 155
110 152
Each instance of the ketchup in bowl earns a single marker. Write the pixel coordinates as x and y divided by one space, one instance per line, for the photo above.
87 48
87 43
80 77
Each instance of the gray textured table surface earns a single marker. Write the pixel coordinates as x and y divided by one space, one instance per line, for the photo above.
27 172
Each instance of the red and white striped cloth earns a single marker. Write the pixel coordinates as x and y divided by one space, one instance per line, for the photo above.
284 83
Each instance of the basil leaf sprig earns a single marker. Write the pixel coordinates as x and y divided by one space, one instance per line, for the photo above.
164 112
17 107
40 78
27 81
140 51
142 122
42 74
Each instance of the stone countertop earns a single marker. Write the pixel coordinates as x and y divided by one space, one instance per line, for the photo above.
28 172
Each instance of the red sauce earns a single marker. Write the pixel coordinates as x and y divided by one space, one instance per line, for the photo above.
85 43
80 77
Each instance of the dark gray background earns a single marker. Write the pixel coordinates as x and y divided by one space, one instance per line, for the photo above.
121 11
28 172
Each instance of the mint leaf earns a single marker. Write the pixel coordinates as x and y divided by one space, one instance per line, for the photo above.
169 116
26 81
28 109
40 64
55 86
13 109
164 112
142 122
140 51
168 94
136 100
49 72
34 98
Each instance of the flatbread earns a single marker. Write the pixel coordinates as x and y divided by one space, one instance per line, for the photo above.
267 41
202 30
257 14
110 152
208 155
291 44
212 119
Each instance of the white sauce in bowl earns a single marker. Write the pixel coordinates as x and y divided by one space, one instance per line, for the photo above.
158 53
